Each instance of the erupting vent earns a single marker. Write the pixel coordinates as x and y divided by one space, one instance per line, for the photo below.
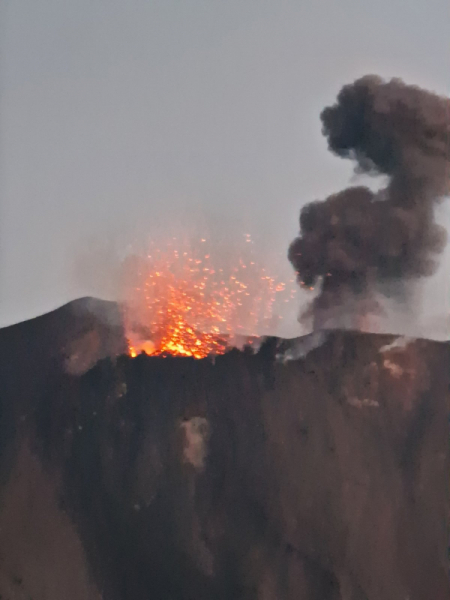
183 301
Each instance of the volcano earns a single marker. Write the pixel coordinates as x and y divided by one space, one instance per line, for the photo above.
315 468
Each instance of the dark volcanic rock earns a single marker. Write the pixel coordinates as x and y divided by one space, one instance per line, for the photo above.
320 478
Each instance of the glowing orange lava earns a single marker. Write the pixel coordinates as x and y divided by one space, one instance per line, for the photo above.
184 303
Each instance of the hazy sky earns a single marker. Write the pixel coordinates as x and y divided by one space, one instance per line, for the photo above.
118 117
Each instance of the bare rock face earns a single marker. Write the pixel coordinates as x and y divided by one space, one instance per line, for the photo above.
316 469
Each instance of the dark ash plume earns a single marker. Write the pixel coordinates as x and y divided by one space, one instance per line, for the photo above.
358 238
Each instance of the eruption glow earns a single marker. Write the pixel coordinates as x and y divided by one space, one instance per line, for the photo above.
184 300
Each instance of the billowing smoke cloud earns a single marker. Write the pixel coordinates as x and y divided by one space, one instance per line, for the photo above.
358 238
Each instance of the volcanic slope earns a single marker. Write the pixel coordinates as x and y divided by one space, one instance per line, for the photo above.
243 477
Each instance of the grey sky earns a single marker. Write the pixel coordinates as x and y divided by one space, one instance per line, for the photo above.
117 117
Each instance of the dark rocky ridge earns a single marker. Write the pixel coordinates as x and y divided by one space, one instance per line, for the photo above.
321 478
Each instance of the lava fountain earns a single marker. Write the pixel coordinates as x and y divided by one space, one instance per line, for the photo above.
184 299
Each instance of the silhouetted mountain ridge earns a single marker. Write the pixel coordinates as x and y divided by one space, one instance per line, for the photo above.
316 468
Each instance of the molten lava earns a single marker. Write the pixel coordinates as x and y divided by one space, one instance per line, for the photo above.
184 302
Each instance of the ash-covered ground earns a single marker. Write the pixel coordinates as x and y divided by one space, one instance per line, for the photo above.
314 469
